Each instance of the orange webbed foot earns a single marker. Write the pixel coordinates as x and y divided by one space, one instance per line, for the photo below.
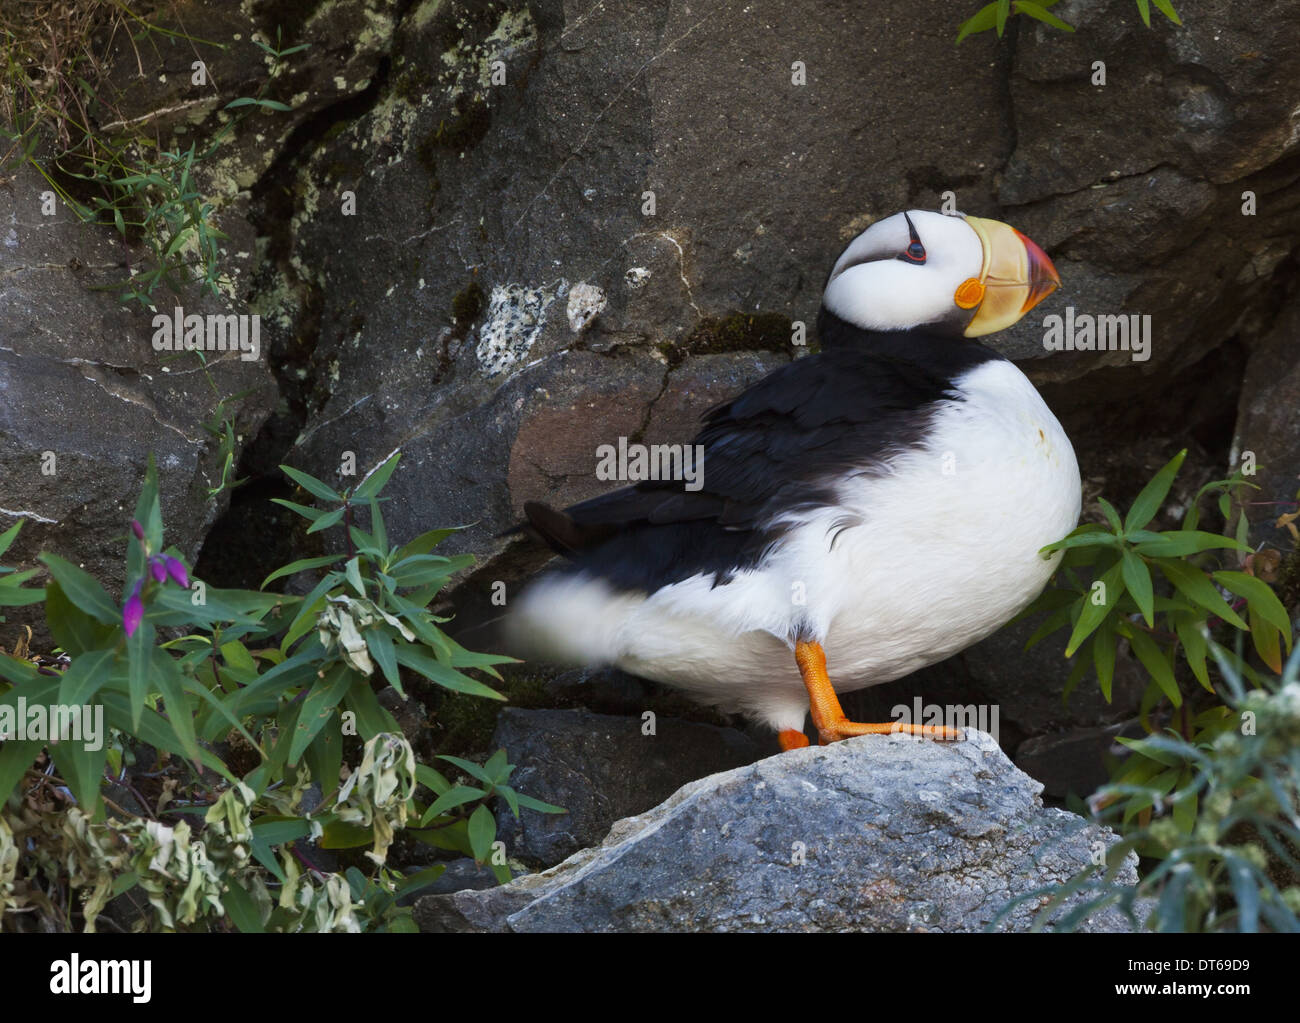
828 716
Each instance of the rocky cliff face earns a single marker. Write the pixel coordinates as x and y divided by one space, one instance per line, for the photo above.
499 234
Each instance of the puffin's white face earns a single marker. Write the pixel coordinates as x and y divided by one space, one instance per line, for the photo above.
966 274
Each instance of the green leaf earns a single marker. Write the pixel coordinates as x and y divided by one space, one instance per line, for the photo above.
148 511
242 909
1193 584
293 671
353 573
1094 614
12 594
1001 14
300 566
86 676
311 484
1103 659
1245 891
1180 543
420 879
82 589
341 835
377 478
426 573
7 537
82 769
1058 619
482 830
139 654
498 766
371 717
424 543
379 529
432 779
1156 664
1112 516
170 683
1153 495
324 758
1094 536
1137 580
1185 808
469 767
459 657
1037 12
1266 639
457 795
1194 648
1167 9
305 620
530 803
1151 752
170 605
1260 596
310 514
15 756
1077 670
511 797
380 644
983 20
1144 9
331 518
73 629
449 678
319 707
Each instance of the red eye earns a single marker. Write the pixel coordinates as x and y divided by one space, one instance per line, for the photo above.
915 253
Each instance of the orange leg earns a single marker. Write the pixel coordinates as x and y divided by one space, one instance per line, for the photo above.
829 717
791 738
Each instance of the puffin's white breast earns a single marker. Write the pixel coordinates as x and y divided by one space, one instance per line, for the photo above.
927 558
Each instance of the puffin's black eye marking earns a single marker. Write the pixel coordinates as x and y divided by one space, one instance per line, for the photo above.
915 253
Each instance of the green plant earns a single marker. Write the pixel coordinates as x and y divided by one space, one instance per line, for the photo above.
251 700
1209 794
1238 867
996 14
144 189
1160 592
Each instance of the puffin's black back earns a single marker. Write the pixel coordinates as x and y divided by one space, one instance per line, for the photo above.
777 447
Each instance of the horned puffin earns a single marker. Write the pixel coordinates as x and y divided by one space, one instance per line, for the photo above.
865 511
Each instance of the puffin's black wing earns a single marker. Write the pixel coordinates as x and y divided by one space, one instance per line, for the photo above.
779 446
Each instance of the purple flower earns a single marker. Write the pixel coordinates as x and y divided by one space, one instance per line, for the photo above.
133 612
177 571
137 529
158 568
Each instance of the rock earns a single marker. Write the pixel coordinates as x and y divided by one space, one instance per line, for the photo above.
600 768
1140 208
1267 425
1071 762
460 875
87 399
604 690
879 833
1146 174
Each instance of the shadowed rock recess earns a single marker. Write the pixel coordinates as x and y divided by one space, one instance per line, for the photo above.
870 834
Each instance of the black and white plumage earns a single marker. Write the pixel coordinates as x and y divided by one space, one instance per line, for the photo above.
885 498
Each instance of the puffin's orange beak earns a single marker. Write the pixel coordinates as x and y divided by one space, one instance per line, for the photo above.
1015 277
